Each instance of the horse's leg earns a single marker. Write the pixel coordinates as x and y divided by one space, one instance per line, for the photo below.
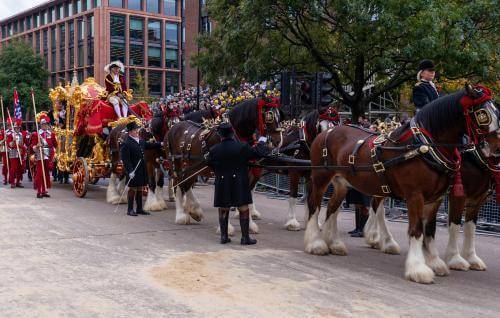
330 230
371 230
387 243
415 268
152 203
192 206
431 253
469 247
292 224
181 217
122 183
159 188
256 215
171 192
452 256
313 243
112 195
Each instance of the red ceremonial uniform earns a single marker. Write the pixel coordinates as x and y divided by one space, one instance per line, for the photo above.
3 154
16 147
47 145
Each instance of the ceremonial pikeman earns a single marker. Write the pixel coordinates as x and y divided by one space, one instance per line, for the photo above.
17 146
43 143
116 88
229 159
3 154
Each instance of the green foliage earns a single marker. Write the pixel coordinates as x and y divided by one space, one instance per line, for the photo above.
376 43
20 68
140 93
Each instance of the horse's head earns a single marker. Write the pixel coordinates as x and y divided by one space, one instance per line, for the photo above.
482 119
270 121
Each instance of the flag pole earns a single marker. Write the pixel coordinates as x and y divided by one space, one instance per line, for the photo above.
39 139
5 139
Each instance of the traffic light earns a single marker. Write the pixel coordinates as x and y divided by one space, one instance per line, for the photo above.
324 89
307 92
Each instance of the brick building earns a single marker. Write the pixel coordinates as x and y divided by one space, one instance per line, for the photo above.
85 35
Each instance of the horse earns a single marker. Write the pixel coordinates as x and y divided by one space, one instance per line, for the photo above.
421 174
187 143
201 115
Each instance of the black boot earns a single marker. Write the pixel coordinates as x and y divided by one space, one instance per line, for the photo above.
223 223
138 200
356 220
130 201
362 218
245 226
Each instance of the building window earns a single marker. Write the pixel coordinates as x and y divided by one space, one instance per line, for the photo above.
53 38
154 83
70 9
71 51
117 26
136 55
154 31
206 26
116 3
117 51
21 25
79 76
81 30
171 37
62 50
171 58
135 5
53 14
60 10
37 47
136 29
154 56
28 23
134 74
71 27
30 39
152 6
43 16
97 3
37 21
90 72
170 7
53 61
171 83
78 6
80 56
90 26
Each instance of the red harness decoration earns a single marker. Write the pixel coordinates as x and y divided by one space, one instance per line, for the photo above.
467 103
274 103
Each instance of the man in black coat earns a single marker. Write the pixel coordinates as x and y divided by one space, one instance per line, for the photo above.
425 91
132 156
229 159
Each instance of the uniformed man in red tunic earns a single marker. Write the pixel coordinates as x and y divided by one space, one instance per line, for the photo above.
116 87
43 143
16 147
3 154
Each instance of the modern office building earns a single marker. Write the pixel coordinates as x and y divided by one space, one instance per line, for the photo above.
85 35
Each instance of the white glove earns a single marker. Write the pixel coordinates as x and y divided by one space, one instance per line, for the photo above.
262 139
131 175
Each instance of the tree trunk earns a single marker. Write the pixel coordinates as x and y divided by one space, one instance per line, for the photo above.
357 110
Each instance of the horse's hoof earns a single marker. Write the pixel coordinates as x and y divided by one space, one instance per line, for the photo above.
338 248
391 247
254 228
438 266
256 215
230 229
317 247
184 219
372 239
197 214
292 225
458 263
419 273
476 264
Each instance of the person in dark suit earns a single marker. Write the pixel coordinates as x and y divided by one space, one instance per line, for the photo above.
229 159
425 91
132 156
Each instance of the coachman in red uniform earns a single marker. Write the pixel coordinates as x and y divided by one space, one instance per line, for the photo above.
17 142
43 143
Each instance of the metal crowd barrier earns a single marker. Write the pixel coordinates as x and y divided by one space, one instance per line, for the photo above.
278 186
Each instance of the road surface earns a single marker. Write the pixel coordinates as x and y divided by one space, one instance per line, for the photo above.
70 257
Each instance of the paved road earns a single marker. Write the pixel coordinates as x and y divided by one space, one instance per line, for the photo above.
70 257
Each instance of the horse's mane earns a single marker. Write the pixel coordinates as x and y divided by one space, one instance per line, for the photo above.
244 117
197 116
442 113
311 123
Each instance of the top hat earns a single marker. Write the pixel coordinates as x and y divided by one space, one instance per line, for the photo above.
225 130
132 125
426 65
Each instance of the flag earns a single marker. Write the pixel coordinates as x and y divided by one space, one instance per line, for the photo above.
17 106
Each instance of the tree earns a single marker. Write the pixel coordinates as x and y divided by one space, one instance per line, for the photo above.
20 68
363 43
140 93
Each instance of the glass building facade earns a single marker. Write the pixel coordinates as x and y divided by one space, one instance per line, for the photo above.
81 36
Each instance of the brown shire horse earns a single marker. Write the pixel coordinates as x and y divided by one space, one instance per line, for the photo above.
187 144
413 173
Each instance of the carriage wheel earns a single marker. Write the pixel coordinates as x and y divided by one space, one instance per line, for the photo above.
80 177
94 180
